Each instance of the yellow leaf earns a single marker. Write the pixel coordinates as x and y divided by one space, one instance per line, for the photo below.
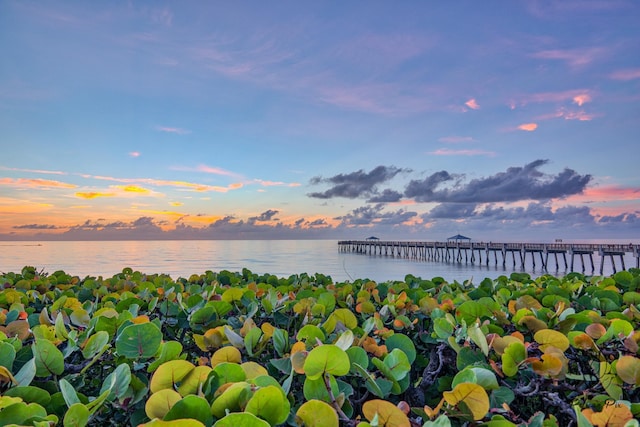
389 415
316 413
612 415
549 366
584 342
472 395
169 374
226 354
548 337
628 369
253 369
161 402
6 377
190 384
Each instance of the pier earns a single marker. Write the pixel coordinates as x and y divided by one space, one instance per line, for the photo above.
567 255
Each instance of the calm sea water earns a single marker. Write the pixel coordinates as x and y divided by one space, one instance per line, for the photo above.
180 258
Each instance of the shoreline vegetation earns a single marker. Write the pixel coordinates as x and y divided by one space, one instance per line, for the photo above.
241 349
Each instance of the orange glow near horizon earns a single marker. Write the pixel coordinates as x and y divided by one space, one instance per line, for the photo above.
93 194
35 183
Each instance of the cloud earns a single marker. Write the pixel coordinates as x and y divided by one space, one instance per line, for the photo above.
276 183
174 130
626 75
132 189
449 152
93 194
35 183
473 104
582 99
573 57
4 168
134 154
215 170
36 227
355 184
456 139
387 196
529 127
556 97
267 215
374 215
176 204
516 183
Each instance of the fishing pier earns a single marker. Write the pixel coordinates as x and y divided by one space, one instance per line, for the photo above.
567 254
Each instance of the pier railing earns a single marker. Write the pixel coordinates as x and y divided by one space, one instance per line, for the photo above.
482 252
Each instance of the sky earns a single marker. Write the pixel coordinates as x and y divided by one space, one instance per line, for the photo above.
414 120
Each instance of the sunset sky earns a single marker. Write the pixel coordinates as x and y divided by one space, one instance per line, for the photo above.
506 120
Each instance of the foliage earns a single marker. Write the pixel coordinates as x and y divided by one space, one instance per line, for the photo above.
241 349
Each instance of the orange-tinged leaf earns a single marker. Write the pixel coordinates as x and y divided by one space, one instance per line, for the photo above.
472 395
298 346
161 402
169 374
226 354
584 342
628 369
550 338
141 319
253 370
549 366
595 330
612 415
389 415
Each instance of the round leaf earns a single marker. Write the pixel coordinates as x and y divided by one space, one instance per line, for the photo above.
195 407
473 396
160 403
316 413
49 360
243 419
139 340
550 338
326 358
269 404
76 416
628 369
403 343
169 374
388 414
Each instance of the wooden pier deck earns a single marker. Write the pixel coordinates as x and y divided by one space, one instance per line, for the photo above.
483 252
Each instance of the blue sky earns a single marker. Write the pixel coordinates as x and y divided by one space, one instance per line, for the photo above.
411 120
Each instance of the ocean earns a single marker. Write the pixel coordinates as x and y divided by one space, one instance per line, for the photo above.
182 258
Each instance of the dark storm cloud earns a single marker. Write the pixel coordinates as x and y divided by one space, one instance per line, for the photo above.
355 184
452 211
387 196
35 227
516 183
267 215
367 215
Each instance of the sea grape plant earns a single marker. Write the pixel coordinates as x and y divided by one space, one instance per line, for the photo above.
242 349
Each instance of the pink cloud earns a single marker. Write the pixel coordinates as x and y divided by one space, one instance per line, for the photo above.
582 99
625 75
567 95
529 127
214 170
35 183
456 139
33 171
449 152
573 57
134 154
606 193
277 183
177 131
473 104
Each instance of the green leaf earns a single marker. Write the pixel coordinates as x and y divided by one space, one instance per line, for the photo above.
243 419
95 344
68 393
317 389
29 394
195 407
49 360
76 416
169 374
231 399
357 355
513 355
270 404
159 404
326 358
309 333
169 350
139 341
27 373
478 337
398 364
404 343
476 375
7 355
342 315
316 413
117 382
